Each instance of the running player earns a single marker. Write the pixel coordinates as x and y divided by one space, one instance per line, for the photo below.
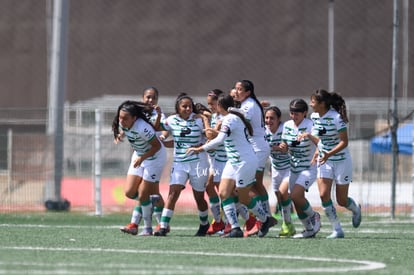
280 167
302 167
334 160
149 96
186 129
148 159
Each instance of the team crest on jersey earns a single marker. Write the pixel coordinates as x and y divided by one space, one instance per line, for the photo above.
302 130
134 135
290 131
328 120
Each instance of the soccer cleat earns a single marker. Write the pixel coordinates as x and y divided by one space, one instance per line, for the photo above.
254 230
305 234
336 235
287 230
357 217
250 223
252 226
130 228
216 227
277 215
202 230
270 221
234 233
227 228
161 233
146 232
316 222
158 227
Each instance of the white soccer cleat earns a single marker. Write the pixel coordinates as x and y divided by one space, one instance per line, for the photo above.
305 234
316 222
336 235
146 232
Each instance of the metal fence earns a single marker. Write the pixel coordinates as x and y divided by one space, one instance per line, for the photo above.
117 48
26 159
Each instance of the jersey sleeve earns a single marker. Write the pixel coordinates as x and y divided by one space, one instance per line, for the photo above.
165 124
248 110
315 129
200 125
284 133
145 130
341 124
214 143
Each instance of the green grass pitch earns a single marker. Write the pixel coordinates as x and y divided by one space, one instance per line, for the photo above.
78 243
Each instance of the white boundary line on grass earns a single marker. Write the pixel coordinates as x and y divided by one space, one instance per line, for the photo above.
360 265
178 228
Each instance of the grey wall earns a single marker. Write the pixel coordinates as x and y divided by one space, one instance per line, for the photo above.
120 47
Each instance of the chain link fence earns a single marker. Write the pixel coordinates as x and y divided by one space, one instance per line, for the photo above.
117 48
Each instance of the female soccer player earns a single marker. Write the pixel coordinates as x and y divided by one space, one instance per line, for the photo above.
253 112
217 158
302 167
148 159
186 129
334 160
150 96
240 169
280 167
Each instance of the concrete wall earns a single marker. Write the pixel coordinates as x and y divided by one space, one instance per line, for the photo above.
120 47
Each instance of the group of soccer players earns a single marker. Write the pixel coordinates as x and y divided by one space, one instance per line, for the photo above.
223 149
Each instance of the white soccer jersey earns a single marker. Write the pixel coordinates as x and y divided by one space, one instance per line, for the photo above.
236 143
215 118
185 133
252 112
153 118
219 154
301 153
139 136
279 160
327 128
